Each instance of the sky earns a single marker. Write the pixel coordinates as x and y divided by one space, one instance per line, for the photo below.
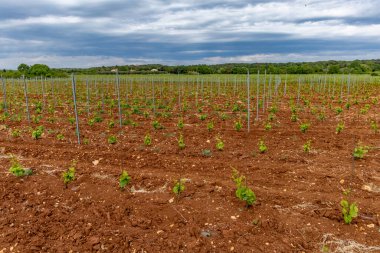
89 33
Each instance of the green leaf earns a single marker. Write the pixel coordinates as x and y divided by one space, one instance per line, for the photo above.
124 179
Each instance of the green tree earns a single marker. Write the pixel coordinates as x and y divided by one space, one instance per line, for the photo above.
39 70
23 68
334 69
204 69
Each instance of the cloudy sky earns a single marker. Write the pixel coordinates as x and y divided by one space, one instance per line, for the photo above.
84 33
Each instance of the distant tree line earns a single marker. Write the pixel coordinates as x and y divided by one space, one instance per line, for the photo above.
323 67
36 70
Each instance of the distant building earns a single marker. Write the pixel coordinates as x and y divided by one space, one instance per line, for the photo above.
154 70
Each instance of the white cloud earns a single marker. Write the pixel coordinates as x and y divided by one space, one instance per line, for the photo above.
181 22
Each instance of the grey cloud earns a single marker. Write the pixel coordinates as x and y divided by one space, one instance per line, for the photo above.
185 31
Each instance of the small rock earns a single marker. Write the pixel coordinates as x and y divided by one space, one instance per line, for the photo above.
93 240
160 231
371 225
232 248
341 181
205 233
233 217
171 200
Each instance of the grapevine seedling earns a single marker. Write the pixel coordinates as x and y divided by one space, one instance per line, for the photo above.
243 192
202 117
69 175
338 110
124 179
307 146
360 151
72 121
219 144
147 140
181 143
17 169
339 128
157 125
374 126
271 116
60 137
179 187
15 133
349 211
37 133
238 125
262 147
210 126
180 124
304 127
112 139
